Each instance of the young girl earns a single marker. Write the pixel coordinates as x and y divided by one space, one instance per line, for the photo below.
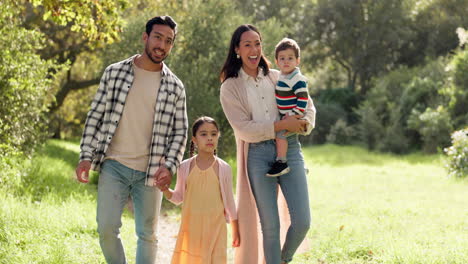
204 184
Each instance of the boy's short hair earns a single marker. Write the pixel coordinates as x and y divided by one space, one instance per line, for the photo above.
285 44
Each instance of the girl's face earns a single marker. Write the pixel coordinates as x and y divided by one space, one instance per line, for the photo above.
250 52
206 138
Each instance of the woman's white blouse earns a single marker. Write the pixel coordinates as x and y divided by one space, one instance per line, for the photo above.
261 96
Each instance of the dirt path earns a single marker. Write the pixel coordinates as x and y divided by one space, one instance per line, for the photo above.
168 227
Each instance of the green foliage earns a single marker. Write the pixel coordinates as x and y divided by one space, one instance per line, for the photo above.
341 133
370 128
96 20
327 116
25 86
457 162
335 110
388 106
394 139
71 28
68 121
434 24
457 90
345 97
363 37
434 125
11 166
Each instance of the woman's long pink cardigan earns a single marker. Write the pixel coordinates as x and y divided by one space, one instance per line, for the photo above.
237 110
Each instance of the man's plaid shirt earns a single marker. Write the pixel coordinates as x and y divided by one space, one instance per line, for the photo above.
169 126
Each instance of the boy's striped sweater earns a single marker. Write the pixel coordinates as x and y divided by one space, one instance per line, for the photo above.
291 93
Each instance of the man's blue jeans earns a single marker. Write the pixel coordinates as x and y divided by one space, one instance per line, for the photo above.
294 187
116 183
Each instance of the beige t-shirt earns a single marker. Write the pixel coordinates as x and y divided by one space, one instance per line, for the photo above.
131 142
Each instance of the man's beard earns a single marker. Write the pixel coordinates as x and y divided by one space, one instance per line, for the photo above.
148 53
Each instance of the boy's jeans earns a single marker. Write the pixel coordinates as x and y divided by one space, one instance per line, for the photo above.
116 183
294 187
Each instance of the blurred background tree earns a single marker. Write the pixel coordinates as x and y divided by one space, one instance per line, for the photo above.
390 75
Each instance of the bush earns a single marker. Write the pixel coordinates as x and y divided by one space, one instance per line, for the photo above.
458 91
327 116
395 139
25 93
370 128
434 127
344 97
341 133
10 167
457 162
387 107
25 86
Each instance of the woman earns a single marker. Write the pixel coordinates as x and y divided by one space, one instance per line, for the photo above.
248 101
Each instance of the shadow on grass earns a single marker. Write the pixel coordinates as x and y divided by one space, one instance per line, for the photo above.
52 172
55 150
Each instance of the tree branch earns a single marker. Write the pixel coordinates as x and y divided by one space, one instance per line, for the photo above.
71 85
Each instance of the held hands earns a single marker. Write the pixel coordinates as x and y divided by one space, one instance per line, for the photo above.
163 178
82 171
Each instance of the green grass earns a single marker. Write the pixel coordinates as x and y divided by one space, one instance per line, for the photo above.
51 217
366 208
380 208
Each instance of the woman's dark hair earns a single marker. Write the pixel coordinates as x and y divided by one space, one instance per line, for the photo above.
161 20
196 125
232 64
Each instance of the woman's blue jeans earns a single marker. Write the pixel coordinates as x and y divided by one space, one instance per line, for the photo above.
294 187
116 183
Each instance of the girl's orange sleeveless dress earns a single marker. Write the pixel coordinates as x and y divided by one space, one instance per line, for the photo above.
202 236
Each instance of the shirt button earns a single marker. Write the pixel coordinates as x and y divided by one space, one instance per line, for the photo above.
263 97
110 137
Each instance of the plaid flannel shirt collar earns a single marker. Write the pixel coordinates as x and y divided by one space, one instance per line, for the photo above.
129 63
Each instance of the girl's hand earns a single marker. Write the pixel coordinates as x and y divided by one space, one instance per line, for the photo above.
235 239
235 233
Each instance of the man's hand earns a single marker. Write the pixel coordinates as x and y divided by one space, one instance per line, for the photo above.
82 171
163 178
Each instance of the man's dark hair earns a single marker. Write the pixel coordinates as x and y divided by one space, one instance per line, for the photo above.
285 44
161 20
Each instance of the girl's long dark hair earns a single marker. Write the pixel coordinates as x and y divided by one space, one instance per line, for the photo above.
196 125
232 64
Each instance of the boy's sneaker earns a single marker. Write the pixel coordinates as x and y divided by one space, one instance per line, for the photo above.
279 168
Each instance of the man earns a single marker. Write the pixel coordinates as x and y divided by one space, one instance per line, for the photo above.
135 134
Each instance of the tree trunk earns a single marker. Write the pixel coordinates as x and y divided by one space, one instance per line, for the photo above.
70 85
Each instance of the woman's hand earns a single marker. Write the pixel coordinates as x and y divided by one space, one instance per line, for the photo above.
293 124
